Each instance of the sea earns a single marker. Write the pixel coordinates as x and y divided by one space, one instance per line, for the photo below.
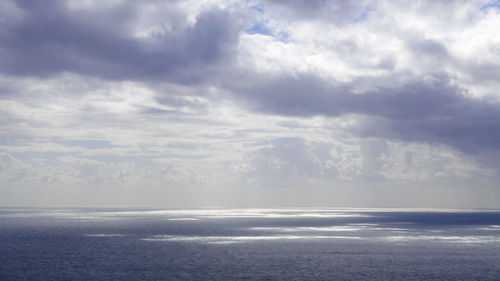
249 244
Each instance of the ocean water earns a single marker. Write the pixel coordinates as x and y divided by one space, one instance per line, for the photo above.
248 244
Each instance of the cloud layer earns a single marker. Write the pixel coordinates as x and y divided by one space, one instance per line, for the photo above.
259 98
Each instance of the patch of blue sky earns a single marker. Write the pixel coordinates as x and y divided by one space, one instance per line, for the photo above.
263 29
282 36
260 28
493 4
364 15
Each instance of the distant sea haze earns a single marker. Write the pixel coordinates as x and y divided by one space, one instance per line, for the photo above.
249 244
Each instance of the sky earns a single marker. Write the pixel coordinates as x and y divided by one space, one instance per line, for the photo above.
256 103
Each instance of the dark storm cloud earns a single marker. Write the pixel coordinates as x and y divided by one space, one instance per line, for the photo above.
431 110
48 38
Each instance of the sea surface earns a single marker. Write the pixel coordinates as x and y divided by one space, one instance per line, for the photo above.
249 244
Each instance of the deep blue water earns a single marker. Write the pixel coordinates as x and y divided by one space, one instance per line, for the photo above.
248 244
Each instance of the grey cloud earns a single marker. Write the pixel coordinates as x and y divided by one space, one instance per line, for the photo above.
338 12
482 72
303 95
178 100
159 111
307 95
430 110
7 91
427 47
439 115
50 38
91 144
341 12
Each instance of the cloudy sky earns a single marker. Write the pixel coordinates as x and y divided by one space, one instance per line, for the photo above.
250 103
